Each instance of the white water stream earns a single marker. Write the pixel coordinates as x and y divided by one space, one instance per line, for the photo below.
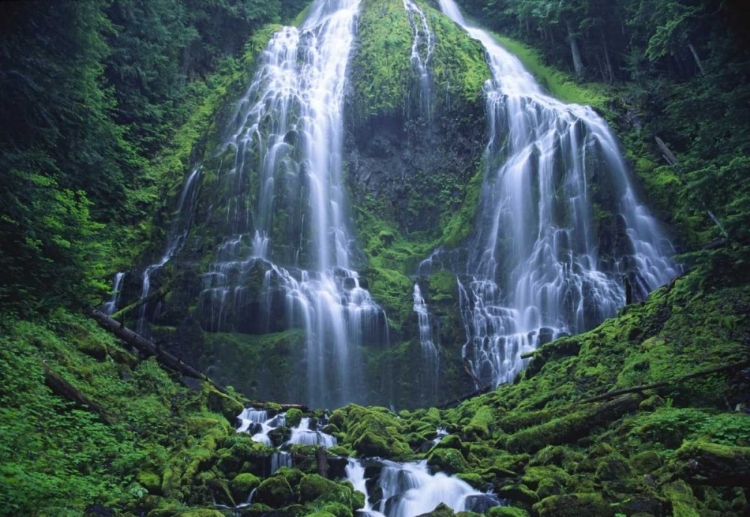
536 267
291 121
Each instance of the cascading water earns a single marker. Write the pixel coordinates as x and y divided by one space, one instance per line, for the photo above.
408 489
303 435
538 269
177 234
431 360
287 205
110 307
423 45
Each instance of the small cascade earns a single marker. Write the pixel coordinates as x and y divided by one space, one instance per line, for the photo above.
408 489
442 432
110 307
259 425
285 259
431 365
303 435
281 459
537 267
423 46
177 234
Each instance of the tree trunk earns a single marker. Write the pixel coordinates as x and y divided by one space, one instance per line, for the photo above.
607 60
577 62
322 459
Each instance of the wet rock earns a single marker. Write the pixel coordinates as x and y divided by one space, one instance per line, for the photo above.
481 503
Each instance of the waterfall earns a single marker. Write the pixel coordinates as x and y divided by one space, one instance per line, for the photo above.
178 231
537 269
431 361
285 259
408 489
110 306
423 45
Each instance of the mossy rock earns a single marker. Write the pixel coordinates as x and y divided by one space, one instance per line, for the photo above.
475 480
313 487
517 492
652 403
150 481
201 513
574 505
242 485
450 461
275 492
339 450
375 432
293 417
612 468
682 499
293 475
337 510
441 510
452 441
645 462
481 424
219 402
507 511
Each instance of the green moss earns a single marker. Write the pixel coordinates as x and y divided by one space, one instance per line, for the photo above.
275 492
293 417
242 485
574 505
381 66
448 460
559 84
507 511
682 499
317 488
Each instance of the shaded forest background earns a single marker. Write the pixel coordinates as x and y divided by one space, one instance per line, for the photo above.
92 91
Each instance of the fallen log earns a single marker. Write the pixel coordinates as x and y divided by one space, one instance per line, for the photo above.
284 407
149 348
644 387
162 291
572 427
64 389
705 463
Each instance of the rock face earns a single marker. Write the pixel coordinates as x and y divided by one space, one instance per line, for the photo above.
412 142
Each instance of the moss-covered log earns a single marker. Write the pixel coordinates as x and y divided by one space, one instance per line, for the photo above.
64 389
149 348
571 428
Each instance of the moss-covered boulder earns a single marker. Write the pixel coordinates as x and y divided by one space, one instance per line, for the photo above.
450 461
275 492
375 432
293 417
313 487
150 481
507 511
574 505
242 485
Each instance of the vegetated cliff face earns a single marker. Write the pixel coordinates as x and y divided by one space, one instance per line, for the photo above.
412 163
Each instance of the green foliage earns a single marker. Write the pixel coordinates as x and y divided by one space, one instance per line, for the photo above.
381 65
